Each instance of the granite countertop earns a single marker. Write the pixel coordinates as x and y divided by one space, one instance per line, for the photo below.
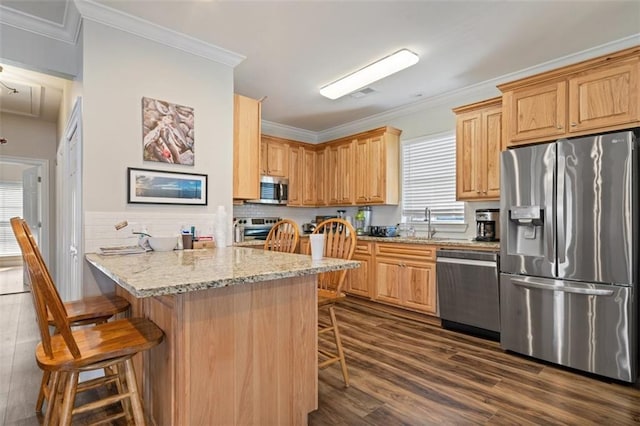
181 271
440 242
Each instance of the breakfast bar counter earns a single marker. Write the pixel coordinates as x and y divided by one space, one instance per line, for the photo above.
241 332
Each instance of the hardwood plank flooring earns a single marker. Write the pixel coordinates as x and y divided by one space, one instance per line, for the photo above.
403 372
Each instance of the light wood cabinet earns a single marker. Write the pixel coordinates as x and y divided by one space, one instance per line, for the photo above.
295 176
321 176
377 167
274 156
309 182
405 275
340 173
478 147
597 95
358 281
246 147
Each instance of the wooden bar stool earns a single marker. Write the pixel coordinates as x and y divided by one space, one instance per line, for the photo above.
89 310
339 242
283 237
109 346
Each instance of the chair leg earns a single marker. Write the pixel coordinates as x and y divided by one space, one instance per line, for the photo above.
138 413
122 388
44 383
336 334
69 397
49 417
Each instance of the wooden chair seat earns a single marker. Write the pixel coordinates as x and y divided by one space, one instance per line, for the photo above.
99 343
93 309
327 297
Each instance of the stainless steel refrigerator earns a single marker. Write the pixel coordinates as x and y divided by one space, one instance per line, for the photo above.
569 253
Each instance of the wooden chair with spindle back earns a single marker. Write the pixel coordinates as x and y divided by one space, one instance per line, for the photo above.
109 346
283 237
339 242
89 310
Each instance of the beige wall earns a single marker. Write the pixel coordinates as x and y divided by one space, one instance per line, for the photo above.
118 70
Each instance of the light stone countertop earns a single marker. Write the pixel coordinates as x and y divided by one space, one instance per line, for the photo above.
180 271
448 243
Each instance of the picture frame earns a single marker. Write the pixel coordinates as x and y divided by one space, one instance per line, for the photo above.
145 186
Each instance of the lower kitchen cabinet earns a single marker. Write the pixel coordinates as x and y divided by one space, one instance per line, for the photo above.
405 275
358 281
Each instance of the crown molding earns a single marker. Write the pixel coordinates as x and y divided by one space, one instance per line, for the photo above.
142 28
289 132
477 91
66 32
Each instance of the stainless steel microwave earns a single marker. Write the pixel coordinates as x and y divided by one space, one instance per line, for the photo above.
273 190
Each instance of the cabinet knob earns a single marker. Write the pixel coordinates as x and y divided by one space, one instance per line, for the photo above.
574 124
559 127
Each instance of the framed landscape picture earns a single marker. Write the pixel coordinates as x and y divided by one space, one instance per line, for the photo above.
158 187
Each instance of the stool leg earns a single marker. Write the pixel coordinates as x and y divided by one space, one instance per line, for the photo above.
44 383
138 413
122 388
49 417
336 333
70 388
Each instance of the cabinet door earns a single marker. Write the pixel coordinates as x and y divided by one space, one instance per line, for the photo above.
358 280
345 177
419 287
264 156
606 96
468 155
295 176
321 177
246 144
309 182
492 146
536 113
362 172
388 281
332 175
277 156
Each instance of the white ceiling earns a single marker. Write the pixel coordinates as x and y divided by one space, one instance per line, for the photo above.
293 48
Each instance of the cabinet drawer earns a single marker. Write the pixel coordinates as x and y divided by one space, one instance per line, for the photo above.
363 248
407 251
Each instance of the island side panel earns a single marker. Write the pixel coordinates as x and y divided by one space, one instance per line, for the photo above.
252 353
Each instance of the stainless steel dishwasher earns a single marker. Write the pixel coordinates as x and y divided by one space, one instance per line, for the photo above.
468 291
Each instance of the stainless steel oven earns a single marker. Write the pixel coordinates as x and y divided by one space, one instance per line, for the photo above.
256 228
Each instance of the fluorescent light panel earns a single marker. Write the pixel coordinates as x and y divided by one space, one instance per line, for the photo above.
378 70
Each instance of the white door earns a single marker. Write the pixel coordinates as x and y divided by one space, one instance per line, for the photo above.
70 285
31 211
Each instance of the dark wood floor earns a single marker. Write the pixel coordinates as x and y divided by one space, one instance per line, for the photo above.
402 372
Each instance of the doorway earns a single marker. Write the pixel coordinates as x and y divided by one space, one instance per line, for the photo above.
23 193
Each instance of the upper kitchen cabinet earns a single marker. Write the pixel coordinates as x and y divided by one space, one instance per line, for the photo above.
246 148
339 172
302 175
275 156
597 95
377 166
478 147
321 176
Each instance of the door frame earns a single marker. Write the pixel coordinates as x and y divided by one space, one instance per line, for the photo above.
43 170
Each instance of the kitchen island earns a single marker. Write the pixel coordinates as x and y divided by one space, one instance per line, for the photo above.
241 332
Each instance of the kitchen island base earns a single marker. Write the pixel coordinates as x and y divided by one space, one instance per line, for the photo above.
243 354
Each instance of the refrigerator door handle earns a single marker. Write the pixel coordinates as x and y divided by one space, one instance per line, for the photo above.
560 202
551 287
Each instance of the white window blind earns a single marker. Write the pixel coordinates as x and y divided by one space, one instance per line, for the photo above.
429 179
10 206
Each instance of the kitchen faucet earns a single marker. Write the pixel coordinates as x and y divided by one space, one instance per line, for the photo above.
427 218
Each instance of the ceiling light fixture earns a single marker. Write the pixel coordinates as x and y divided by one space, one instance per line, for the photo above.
373 72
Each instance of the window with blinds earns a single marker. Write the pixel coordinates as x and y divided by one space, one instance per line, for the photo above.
10 206
429 179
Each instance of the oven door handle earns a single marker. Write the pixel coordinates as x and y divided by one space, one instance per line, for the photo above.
551 287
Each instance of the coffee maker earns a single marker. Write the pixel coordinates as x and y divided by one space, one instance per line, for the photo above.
488 225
